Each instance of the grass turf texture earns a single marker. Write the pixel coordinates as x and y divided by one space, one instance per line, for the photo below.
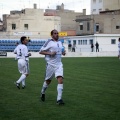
91 91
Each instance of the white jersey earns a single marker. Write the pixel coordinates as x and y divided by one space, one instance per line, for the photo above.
53 46
15 53
22 52
119 46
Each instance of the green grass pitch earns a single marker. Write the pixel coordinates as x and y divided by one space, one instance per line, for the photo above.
91 91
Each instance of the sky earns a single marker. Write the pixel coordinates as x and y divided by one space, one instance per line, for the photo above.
7 5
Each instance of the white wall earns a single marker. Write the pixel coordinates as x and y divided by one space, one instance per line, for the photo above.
96 5
104 41
69 54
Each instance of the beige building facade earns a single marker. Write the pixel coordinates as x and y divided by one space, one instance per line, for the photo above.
104 5
111 4
105 23
36 23
68 17
29 22
1 25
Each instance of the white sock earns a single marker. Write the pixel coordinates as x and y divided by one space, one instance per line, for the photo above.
45 86
59 89
23 82
21 78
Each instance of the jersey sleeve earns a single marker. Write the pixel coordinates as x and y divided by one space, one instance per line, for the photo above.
46 46
119 45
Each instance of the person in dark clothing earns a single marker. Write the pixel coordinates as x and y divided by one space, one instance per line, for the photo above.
92 47
97 47
73 47
69 47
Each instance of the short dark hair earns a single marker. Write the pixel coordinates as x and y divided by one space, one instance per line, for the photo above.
22 38
119 38
53 31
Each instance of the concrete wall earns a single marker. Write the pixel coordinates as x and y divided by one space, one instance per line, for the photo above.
68 54
111 5
96 6
104 5
67 18
107 24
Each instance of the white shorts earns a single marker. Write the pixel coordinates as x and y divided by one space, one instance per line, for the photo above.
23 66
52 71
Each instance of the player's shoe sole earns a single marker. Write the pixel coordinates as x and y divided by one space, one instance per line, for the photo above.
60 102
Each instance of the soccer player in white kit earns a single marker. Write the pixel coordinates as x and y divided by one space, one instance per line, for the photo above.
119 48
23 61
52 50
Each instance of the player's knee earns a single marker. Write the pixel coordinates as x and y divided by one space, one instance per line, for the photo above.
60 79
48 82
60 82
27 75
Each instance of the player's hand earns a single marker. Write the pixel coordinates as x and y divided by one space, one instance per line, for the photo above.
29 54
64 53
53 53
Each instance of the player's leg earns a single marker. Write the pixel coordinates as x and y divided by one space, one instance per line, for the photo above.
48 77
59 76
23 84
45 86
21 67
26 72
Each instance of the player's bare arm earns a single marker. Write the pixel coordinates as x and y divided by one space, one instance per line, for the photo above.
47 53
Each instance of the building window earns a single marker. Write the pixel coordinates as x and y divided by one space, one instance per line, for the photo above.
94 1
117 27
26 26
81 26
100 9
91 41
80 42
100 1
94 10
113 41
84 42
69 41
97 27
74 42
13 26
88 26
